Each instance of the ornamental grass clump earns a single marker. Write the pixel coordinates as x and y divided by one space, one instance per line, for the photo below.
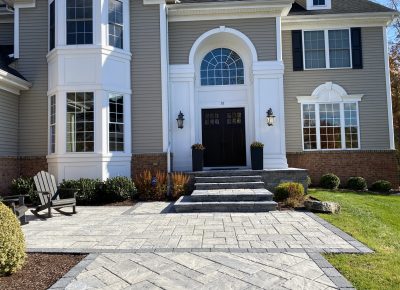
12 242
290 193
330 181
357 183
151 186
180 183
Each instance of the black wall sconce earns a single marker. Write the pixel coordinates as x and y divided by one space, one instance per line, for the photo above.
270 118
180 120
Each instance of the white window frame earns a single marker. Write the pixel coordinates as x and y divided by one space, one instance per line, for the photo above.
327 58
124 15
342 125
109 122
51 124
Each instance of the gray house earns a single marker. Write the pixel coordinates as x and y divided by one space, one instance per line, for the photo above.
94 88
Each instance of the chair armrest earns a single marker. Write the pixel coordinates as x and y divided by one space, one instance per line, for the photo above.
71 191
45 193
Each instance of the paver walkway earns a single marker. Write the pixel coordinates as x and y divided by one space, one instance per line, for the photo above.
145 247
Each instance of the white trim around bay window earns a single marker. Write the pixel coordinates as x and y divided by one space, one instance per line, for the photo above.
330 119
326 49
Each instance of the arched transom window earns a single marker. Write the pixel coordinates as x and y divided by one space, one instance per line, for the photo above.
222 66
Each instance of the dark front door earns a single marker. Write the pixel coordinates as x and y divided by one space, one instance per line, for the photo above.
224 137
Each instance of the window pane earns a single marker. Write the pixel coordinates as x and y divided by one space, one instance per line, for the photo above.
80 122
115 23
52 27
319 2
52 124
116 123
309 127
222 66
79 22
314 49
351 125
330 129
339 48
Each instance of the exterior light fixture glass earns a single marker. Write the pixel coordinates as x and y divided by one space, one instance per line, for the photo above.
180 120
270 118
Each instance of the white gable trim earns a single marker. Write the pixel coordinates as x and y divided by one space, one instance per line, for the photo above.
222 29
329 93
12 84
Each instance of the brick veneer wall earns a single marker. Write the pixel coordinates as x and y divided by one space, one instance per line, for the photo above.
372 165
152 161
8 171
14 167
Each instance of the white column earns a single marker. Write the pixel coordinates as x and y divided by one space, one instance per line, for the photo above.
164 75
279 38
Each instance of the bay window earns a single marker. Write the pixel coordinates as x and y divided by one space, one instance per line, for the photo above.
330 126
79 22
116 123
115 23
80 122
327 49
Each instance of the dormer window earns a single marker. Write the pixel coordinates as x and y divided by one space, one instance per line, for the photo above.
319 4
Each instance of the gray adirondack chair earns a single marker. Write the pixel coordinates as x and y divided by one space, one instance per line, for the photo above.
49 196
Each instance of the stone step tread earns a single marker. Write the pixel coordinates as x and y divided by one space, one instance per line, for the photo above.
229 183
233 191
229 177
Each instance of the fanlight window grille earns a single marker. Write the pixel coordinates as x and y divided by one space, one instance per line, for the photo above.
221 67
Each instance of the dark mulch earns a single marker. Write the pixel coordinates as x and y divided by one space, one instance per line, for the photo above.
127 202
40 271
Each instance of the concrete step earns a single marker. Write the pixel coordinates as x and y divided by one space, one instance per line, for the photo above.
227 179
184 206
221 173
226 195
230 185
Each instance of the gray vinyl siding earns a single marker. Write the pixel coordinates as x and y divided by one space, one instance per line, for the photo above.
261 31
370 81
33 66
146 78
7 34
8 124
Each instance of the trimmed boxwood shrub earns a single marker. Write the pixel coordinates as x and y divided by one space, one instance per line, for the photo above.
357 183
330 181
291 193
25 186
381 186
88 190
119 189
12 242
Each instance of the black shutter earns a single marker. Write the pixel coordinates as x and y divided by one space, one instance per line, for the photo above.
297 48
356 47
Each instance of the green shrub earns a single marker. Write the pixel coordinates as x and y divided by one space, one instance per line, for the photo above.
309 181
119 189
291 193
330 181
356 183
25 186
12 242
88 190
381 186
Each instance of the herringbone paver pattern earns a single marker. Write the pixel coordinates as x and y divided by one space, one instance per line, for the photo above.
202 271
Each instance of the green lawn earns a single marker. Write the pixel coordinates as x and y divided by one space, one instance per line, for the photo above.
375 221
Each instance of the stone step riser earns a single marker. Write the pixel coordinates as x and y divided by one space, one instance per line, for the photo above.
226 207
235 185
228 179
226 173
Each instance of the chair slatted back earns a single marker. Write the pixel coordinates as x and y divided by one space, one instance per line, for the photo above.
45 182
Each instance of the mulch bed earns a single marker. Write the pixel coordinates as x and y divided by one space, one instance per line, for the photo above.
40 271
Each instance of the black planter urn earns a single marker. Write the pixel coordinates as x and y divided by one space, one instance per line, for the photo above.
197 159
257 158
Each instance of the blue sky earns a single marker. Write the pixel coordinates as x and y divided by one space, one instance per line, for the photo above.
391 32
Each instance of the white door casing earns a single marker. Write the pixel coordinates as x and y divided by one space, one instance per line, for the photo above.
262 89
